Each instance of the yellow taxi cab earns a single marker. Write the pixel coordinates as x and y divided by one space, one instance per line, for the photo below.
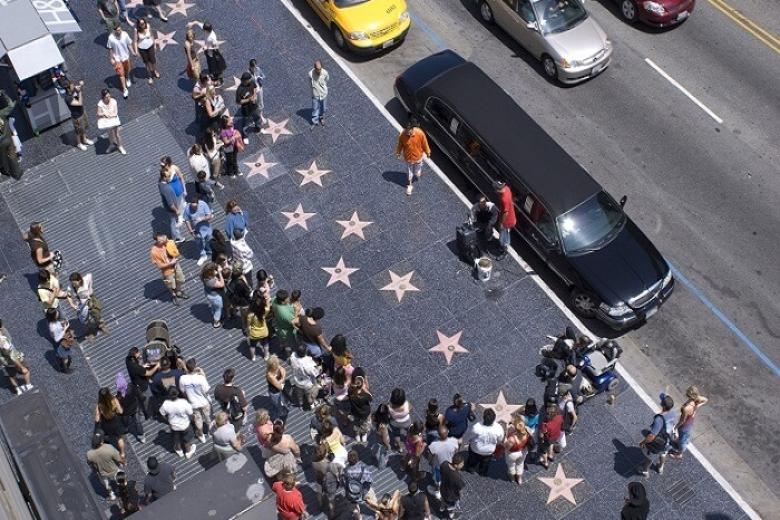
364 25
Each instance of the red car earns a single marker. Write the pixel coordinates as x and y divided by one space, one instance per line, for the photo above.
656 13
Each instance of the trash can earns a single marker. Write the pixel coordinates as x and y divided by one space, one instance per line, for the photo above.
484 268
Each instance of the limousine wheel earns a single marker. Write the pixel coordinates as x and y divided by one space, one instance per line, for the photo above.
486 12
338 37
584 304
550 69
628 10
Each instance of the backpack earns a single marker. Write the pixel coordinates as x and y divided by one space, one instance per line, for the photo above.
353 485
659 443
234 410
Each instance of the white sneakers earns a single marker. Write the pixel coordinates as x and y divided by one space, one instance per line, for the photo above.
202 438
23 388
82 147
122 150
125 93
89 141
190 452
129 83
179 453
202 260
409 189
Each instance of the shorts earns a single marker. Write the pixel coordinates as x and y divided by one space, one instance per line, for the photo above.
175 280
80 124
122 68
183 436
13 370
147 55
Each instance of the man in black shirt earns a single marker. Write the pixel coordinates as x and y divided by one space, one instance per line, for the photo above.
451 485
414 506
160 481
165 378
76 104
139 376
232 399
246 98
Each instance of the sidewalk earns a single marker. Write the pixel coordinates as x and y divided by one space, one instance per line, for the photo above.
101 209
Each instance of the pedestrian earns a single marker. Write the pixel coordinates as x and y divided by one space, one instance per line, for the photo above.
531 416
452 485
381 422
319 78
458 415
108 418
517 444
10 145
482 439
258 76
283 453
433 419
322 414
63 338
232 145
75 102
42 257
120 47
256 327
658 441
484 215
224 435
289 500
198 94
48 290
552 436
247 100
220 246
131 402
360 409
400 417
265 283
310 332
195 387
173 190
341 355
212 146
160 479
88 307
166 378
568 409
197 217
275 378
414 448
332 436
414 505
685 424
387 507
305 375
198 161
214 59
264 427
239 294
126 492
413 144
108 12
105 461
191 54
441 450
12 361
242 252
214 289
295 301
214 108
154 5
232 399
205 186
284 314
179 412
506 216
165 255
108 120
339 390
122 4
143 45
357 479
636 506
139 374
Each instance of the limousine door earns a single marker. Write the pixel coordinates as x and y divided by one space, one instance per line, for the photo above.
538 228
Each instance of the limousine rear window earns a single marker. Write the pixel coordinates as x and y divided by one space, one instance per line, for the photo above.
590 225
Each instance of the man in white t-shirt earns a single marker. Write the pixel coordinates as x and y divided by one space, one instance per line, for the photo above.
119 48
440 451
178 412
482 439
195 387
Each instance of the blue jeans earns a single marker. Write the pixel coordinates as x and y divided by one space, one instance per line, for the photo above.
278 409
684 436
203 236
504 237
318 107
175 227
381 453
215 302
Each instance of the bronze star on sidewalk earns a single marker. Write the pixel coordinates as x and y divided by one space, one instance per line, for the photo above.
297 218
313 174
354 226
165 39
276 129
340 273
401 284
503 410
448 345
236 83
179 7
259 166
560 485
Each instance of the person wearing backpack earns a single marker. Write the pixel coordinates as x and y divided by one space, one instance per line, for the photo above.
232 399
356 479
658 441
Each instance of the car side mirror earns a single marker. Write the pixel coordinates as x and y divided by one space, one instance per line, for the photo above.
531 25
623 200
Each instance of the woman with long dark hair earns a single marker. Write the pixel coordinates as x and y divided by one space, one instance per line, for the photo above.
256 327
108 418
214 288
143 44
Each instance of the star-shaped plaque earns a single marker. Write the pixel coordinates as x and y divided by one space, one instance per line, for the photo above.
402 284
448 345
297 218
179 7
275 129
236 83
354 226
202 44
313 174
503 410
132 4
165 39
259 166
340 273
560 485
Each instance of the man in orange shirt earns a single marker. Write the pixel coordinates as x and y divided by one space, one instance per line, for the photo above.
414 145
165 255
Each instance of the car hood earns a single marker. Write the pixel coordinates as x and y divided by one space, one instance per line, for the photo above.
580 42
371 16
624 268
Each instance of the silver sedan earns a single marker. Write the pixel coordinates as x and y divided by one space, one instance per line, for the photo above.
570 44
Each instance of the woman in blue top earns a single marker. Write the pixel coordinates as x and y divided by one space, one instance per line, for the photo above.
531 415
235 218
457 416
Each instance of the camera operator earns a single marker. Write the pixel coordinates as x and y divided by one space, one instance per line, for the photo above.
484 215
73 98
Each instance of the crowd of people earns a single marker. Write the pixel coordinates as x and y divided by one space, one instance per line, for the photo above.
303 368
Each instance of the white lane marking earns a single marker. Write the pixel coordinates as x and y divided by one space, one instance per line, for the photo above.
682 89
549 292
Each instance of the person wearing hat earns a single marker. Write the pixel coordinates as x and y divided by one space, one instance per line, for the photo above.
105 460
160 479
413 144
506 216
246 98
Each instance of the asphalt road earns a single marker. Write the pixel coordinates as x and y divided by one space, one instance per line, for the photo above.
706 193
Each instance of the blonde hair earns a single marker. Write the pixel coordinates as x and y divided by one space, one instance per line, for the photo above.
221 418
692 393
261 417
272 365
519 425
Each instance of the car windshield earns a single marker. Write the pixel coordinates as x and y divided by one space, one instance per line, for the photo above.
591 224
556 16
348 3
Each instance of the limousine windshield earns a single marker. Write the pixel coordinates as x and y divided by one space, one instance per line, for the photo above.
591 224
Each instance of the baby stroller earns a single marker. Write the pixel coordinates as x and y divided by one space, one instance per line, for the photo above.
158 344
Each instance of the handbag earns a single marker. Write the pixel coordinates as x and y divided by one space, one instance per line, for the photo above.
104 123
94 304
68 339
219 60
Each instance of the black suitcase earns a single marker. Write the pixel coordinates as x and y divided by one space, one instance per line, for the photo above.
467 243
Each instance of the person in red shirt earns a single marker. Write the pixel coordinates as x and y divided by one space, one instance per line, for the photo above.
552 434
506 216
289 500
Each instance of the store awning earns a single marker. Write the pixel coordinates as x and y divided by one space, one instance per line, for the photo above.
34 57
57 17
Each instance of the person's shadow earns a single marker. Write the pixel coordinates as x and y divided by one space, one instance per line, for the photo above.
627 459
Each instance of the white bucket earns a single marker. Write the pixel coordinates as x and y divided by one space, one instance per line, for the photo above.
484 268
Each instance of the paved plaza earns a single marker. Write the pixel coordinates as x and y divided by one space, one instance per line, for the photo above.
328 215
